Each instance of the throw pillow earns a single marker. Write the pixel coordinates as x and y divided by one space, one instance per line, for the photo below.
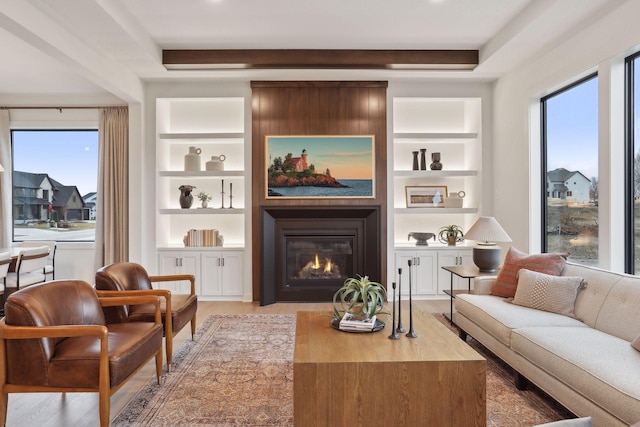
556 294
507 280
636 343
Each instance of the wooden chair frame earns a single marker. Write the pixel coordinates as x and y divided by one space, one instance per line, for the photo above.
8 332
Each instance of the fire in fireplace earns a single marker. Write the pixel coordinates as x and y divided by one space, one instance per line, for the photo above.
308 253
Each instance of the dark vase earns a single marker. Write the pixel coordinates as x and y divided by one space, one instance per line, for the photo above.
435 164
423 159
415 160
186 198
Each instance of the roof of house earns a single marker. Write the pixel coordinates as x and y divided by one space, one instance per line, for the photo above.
561 175
29 180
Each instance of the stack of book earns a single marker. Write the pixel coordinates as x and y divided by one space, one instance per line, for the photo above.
201 237
351 322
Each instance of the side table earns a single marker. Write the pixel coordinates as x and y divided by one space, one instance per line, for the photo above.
466 272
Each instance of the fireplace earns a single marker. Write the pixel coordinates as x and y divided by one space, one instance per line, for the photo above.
309 252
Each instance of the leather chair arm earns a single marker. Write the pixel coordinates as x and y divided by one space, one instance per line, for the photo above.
63 331
132 300
176 277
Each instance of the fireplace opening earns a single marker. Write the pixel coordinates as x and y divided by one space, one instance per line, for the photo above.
309 253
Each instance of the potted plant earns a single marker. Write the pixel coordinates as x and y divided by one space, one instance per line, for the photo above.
450 234
359 296
204 198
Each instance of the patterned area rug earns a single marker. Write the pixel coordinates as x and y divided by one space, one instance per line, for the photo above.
239 372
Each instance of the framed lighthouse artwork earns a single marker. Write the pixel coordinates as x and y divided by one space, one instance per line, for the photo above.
320 166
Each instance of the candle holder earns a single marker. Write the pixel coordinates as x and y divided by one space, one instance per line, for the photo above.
411 333
222 195
394 335
231 195
400 328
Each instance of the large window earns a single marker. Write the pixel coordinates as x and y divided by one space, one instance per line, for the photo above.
632 264
55 174
570 171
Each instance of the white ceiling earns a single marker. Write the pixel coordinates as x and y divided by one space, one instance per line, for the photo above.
106 47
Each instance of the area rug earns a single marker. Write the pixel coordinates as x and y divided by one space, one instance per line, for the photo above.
239 372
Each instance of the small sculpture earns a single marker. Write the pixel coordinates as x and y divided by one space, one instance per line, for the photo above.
186 198
435 164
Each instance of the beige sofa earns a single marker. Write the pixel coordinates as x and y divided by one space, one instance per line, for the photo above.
587 365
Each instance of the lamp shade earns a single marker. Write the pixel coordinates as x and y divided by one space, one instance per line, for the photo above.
487 231
1 169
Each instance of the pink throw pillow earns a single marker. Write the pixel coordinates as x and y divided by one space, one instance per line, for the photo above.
507 281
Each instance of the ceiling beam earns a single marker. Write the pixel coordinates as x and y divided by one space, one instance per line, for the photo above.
210 59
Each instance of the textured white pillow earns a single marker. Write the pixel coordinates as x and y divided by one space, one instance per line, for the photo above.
556 294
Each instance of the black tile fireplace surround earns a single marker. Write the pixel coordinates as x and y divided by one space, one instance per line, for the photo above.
307 252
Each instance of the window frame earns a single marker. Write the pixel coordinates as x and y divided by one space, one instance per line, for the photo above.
13 192
543 153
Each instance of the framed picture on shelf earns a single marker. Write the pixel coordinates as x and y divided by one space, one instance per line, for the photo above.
320 166
426 196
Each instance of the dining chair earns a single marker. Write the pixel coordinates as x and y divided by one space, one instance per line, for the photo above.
30 268
50 268
5 262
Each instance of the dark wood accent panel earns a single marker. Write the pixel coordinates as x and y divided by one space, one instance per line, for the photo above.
316 108
320 59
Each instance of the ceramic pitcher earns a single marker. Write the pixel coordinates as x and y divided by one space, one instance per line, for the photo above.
192 160
216 163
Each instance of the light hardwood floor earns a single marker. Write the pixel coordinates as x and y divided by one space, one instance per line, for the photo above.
81 409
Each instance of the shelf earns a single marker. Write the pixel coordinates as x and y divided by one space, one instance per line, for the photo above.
202 211
204 135
433 174
435 211
201 174
434 135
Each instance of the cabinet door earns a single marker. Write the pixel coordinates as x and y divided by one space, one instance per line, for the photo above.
402 281
211 266
425 277
232 274
179 263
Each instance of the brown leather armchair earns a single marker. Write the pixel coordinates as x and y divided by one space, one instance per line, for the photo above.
133 278
54 338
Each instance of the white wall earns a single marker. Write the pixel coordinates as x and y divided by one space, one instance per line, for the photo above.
600 46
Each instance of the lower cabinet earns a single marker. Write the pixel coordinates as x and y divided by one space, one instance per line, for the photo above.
218 271
427 276
422 271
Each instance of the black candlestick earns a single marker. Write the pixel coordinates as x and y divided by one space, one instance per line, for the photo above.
231 195
394 335
411 333
400 328
222 195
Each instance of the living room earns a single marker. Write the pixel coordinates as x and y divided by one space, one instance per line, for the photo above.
530 49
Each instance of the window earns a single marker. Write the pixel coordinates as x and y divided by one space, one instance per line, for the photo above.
570 171
53 172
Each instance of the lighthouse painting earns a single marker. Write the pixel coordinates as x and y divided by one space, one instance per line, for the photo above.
320 166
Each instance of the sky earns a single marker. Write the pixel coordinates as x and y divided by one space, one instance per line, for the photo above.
346 157
572 129
69 157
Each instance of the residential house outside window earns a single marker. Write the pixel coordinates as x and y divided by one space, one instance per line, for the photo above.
570 171
53 172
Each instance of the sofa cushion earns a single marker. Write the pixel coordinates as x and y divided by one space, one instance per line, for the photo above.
556 294
498 317
582 358
507 280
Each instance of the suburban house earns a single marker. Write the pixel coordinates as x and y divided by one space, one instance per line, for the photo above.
456 97
571 186
37 196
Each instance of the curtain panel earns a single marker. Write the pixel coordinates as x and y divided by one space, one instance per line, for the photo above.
112 223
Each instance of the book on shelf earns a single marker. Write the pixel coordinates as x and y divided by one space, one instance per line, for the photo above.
208 237
351 322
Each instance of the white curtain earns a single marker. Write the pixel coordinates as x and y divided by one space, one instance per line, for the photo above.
5 180
112 224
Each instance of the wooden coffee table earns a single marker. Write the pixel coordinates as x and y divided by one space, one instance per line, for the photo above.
366 379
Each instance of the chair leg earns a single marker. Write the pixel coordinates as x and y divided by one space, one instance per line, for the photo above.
159 365
105 407
169 344
193 328
4 400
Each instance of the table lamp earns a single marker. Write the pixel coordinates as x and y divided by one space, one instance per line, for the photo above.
486 254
